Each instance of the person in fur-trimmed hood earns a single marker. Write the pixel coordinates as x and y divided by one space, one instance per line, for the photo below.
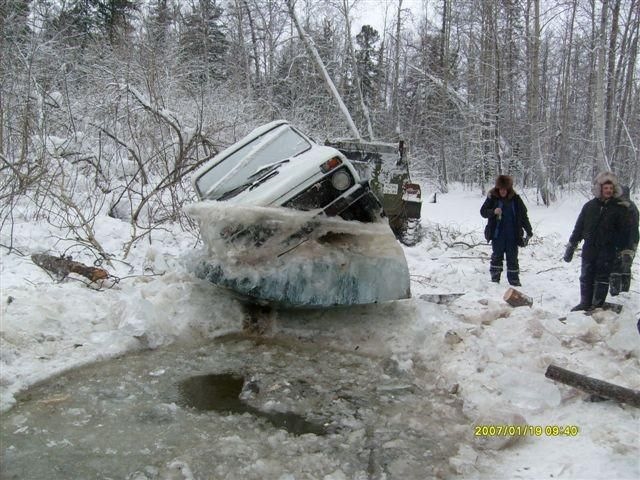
507 223
620 279
603 227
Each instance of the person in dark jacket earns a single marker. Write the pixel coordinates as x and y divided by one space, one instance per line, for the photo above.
508 221
620 279
603 227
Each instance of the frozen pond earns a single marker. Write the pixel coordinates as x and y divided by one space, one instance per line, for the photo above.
307 411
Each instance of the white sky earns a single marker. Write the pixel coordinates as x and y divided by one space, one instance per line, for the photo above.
378 12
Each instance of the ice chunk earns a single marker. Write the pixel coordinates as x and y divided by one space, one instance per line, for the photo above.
626 338
282 256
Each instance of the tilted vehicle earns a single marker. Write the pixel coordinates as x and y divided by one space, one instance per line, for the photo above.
386 166
288 221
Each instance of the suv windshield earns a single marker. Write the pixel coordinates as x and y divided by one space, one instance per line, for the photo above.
247 164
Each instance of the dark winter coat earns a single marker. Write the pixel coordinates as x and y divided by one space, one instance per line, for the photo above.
603 226
632 223
521 223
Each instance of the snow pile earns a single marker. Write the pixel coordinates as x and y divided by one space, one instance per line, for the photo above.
490 356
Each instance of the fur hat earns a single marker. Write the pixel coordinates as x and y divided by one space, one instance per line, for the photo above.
504 181
601 179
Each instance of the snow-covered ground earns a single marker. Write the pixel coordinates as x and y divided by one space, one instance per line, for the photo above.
492 355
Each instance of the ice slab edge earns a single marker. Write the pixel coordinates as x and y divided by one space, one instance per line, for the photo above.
317 282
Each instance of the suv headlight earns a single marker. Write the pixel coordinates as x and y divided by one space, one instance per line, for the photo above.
341 180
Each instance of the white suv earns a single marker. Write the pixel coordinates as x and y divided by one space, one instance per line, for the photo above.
277 165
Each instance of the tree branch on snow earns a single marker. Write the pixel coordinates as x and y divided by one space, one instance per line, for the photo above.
468 245
549 269
63 266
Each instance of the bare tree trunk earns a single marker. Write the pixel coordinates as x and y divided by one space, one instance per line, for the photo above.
600 154
444 65
239 7
511 66
496 109
395 107
2 120
487 101
254 43
610 104
627 63
563 151
533 90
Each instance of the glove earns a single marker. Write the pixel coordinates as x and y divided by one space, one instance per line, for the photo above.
568 253
626 258
525 240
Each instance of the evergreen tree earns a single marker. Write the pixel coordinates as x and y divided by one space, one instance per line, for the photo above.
114 18
81 20
203 41
367 57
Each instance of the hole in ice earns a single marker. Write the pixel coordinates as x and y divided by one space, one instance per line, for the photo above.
221 393
213 392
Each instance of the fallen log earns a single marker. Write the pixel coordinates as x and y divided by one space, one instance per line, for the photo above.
516 298
594 386
62 267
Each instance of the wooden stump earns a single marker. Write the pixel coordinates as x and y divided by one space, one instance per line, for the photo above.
516 298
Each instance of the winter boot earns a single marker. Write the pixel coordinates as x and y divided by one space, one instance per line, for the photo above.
513 276
495 272
582 307
600 291
615 284
586 295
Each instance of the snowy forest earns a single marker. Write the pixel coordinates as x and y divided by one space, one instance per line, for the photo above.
107 106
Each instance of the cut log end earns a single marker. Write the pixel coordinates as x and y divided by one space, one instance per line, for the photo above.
516 298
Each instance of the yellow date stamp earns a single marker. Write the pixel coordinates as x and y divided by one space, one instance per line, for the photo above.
526 430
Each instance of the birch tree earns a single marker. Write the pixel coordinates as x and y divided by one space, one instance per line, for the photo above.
601 161
536 153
